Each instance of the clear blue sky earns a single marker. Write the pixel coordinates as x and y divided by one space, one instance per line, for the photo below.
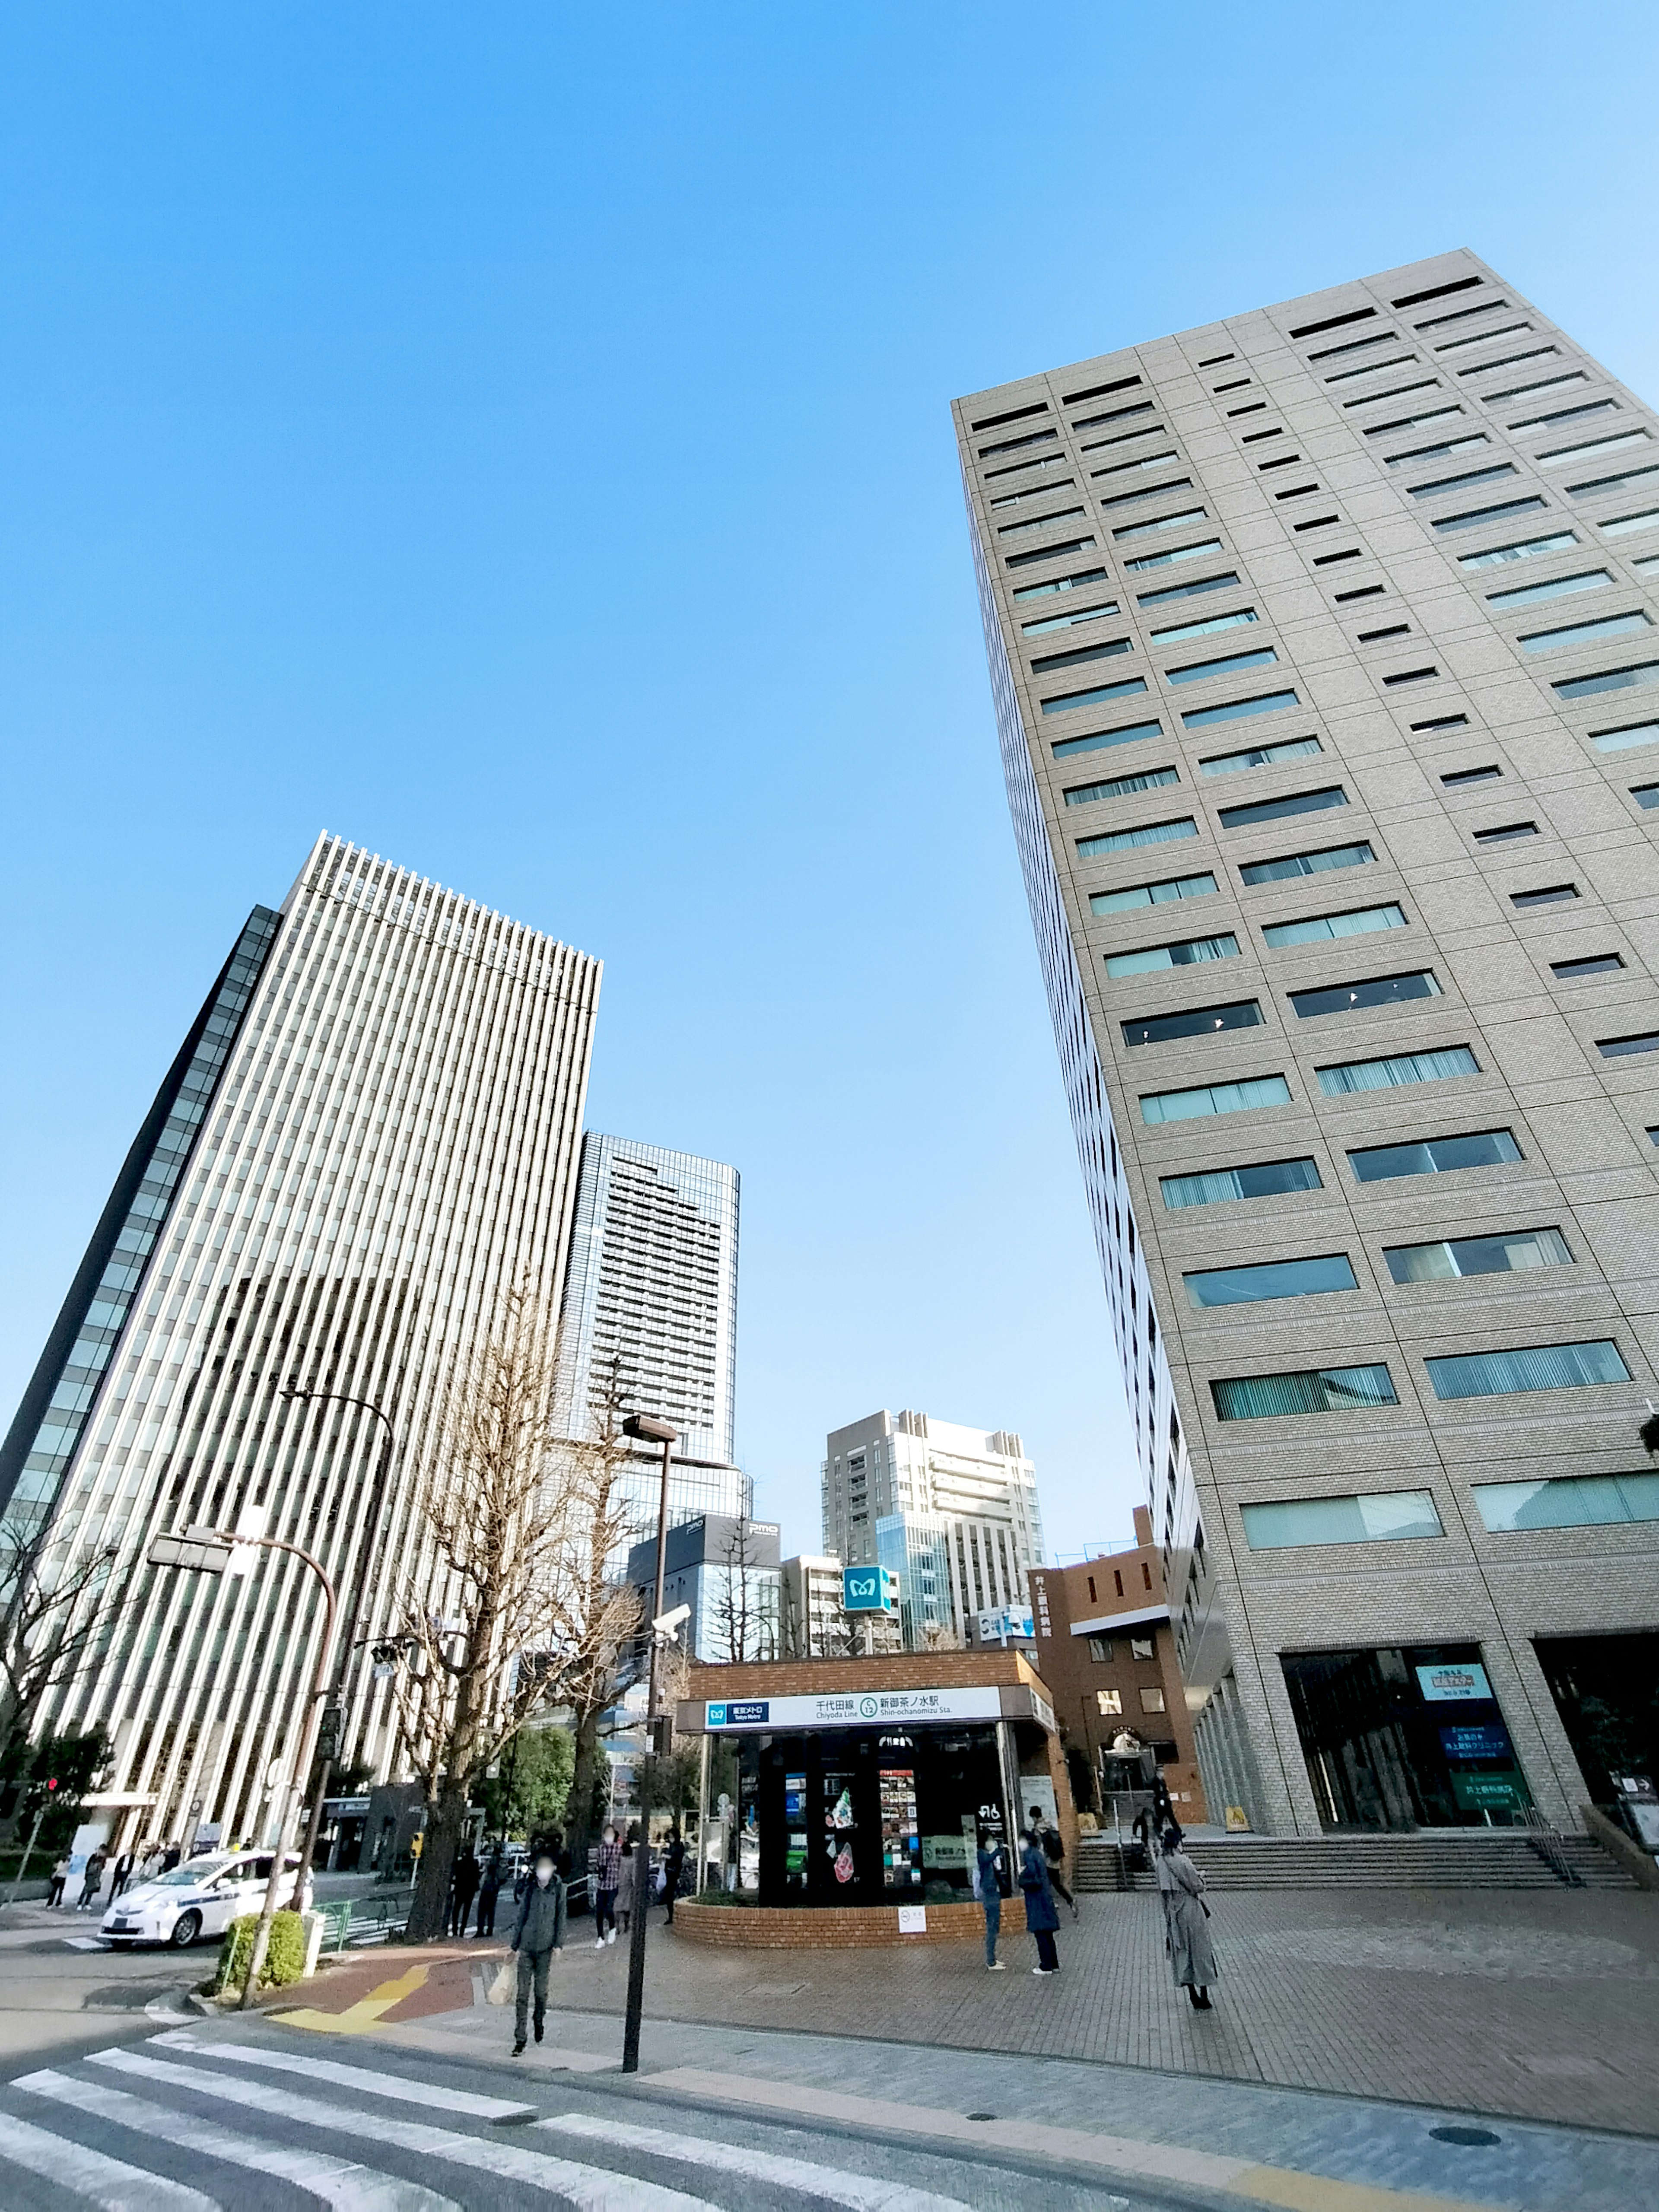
517 438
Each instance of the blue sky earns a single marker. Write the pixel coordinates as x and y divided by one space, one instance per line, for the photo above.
518 438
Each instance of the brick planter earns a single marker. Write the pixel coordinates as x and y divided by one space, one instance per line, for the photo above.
837 1927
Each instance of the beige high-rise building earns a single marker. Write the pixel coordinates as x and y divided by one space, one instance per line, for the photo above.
1325 654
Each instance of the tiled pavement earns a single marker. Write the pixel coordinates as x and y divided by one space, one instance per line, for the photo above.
1537 2004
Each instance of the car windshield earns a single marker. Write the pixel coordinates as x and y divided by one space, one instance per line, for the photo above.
192 1872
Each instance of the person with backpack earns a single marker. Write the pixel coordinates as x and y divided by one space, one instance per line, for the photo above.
1053 1852
1040 1918
994 1884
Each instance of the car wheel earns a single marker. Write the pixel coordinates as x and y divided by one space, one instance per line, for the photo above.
185 1929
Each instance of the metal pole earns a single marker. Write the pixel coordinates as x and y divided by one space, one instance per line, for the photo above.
631 2063
354 1599
302 1765
22 1865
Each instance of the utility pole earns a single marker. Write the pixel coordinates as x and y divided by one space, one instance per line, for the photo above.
651 1430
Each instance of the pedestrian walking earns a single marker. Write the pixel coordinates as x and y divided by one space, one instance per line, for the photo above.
489 1890
607 1880
673 1867
60 1875
92 1882
1185 1923
628 1882
463 1887
991 1863
1040 1918
1053 1851
538 1932
123 1876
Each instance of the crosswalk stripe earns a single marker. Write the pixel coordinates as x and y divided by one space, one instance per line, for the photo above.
589 2187
864 2192
429 2094
92 2176
338 2181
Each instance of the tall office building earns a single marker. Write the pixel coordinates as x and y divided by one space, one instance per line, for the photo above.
371 1131
952 1511
1331 626
651 1315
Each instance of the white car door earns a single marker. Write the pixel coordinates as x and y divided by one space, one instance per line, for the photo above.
217 1906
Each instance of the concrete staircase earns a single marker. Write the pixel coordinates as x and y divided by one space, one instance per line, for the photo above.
1483 1859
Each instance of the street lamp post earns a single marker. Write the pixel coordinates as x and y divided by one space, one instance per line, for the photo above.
354 1586
648 1430
211 1550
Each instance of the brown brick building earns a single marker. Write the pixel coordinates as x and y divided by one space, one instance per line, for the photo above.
1106 1649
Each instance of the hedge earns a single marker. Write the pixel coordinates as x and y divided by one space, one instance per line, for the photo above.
285 1954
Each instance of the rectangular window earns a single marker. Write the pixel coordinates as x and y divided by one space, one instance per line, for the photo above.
1482 1148
1193 552
1040 521
1327 560
1508 360
1506 833
1647 565
1547 384
1263 1179
1259 756
1625 740
1474 517
1139 461
1269 1279
1400 1068
1471 477
1437 452
1410 676
1337 322
1528 595
1131 530
1365 591
1306 864
1442 722
1394 391
1183 952
1314 1390
1067 702
1482 337
1034 491
1192 1021
1121 787
1276 810
1206 1098
1542 1367
1460 315
1231 664
1462 776
1356 923
1624 525
1527 549
1079 583
1149 833
1014 415
1100 1648
1383 1517
1239 710
1583 633
1160 894
1356 345
1611 679
1553 895
1623 1047
1478 1255
1599 484
1438 292
1558 456
1141 1647
1565 415
1646 795
1568 1501
1046 553
1019 468
1374 991
1113 415
1577 971
1068 621
1103 740
1149 491
1014 445
1151 1701
1371 367
1205 629
1109 1702
1098 390
1411 422
1186 591
1107 649
1318 522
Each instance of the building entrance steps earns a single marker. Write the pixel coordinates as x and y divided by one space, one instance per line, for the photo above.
1434 1859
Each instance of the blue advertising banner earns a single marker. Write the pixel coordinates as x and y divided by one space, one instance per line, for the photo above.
1477 1743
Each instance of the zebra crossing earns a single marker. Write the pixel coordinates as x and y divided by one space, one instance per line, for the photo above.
186 2122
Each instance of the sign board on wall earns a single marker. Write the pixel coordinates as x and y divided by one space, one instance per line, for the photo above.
855 1709
868 1590
1458 1680
913 1919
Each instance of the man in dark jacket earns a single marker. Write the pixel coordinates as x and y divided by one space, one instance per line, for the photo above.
537 1933
489 1888
1053 1852
673 1866
464 1888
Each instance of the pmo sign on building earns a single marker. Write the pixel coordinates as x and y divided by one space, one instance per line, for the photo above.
869 1589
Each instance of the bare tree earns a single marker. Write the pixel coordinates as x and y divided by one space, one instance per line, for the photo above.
57 1608
744 1625
482 1628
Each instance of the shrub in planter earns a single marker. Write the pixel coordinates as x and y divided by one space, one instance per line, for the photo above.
285 1954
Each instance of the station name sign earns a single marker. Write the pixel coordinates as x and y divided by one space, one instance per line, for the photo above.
855 1709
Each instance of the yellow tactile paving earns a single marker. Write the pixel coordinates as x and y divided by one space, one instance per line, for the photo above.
358 2018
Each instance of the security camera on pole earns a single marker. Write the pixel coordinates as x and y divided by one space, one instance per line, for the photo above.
649 1430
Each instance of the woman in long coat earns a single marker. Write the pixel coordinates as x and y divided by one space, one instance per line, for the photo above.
1185 1922
1040 1918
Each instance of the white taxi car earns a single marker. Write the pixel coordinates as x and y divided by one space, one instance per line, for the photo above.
199 1897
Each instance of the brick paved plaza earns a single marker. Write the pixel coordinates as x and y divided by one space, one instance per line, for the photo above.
1536 2004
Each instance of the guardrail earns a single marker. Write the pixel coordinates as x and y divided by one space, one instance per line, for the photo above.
351 1921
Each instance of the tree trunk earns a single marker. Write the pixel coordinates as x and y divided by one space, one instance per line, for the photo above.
579 1806
428 1912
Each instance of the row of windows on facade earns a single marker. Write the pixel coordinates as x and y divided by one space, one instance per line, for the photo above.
1572 1501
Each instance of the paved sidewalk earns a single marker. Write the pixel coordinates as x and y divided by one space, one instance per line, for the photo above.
1542 2004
